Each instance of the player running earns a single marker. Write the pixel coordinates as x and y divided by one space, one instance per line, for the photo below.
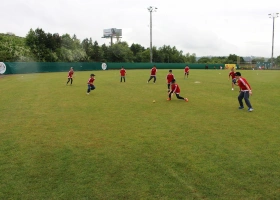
90 83
153 74
70 76
232 75
169 79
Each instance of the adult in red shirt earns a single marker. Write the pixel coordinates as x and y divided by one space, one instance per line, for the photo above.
169 79
153 74
187 70
90 83
122 72
232 75
245 91
175 89
70 76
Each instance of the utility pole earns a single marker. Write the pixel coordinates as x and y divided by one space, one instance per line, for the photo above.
273 16
151 10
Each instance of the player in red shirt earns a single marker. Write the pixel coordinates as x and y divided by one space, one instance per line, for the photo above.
70 76
245 91
169 79
187 70
232 75
175 89
122 72
90 83
153 74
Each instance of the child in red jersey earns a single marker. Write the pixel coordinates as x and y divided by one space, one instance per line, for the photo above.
122 72
153 74
232 75
169 79
70 76
90 83
245 91
175 89
187 70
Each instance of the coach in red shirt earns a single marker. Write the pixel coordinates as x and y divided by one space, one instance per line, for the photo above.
245 91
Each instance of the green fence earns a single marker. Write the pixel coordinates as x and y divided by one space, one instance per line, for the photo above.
40 67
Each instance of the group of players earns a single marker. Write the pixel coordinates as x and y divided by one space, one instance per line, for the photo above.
173 87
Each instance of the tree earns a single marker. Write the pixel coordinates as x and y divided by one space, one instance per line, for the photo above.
96 52
120 52
277 60
203 60
258 59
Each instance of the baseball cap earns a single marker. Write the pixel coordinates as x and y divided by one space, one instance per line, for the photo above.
237 74
92 75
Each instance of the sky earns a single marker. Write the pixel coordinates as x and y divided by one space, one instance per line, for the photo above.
203 27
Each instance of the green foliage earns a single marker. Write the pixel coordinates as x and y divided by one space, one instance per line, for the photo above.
47 47
260 59
58 143
12 49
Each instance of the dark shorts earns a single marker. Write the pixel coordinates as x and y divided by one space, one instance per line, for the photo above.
234 80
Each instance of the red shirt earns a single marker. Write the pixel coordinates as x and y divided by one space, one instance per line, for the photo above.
242 84
187 69
175 88
90 81
70 73
232 74
169 78
122 72
153 71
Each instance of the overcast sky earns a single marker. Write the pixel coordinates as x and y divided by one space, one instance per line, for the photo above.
203 27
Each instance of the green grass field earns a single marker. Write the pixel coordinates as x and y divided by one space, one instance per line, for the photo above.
56 142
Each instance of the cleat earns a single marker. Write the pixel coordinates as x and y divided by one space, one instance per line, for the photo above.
232 89
168 99
240 107
87 93
250 109
186 99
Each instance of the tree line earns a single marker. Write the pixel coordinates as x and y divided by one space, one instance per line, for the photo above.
40 46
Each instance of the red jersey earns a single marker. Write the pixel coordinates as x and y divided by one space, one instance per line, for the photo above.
242 84
153 71
70 74
187 69
122 72
232 74
169 78
90 81
175 88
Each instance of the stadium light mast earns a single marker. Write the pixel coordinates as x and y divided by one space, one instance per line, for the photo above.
151 9
273 16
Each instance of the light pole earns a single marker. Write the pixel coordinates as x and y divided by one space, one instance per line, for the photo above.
151 10
273 16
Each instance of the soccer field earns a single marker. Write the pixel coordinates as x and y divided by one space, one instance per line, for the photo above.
57 142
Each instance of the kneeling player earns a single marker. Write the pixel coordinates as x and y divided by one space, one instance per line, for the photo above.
175 89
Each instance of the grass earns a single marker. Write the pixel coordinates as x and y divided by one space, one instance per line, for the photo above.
56 142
